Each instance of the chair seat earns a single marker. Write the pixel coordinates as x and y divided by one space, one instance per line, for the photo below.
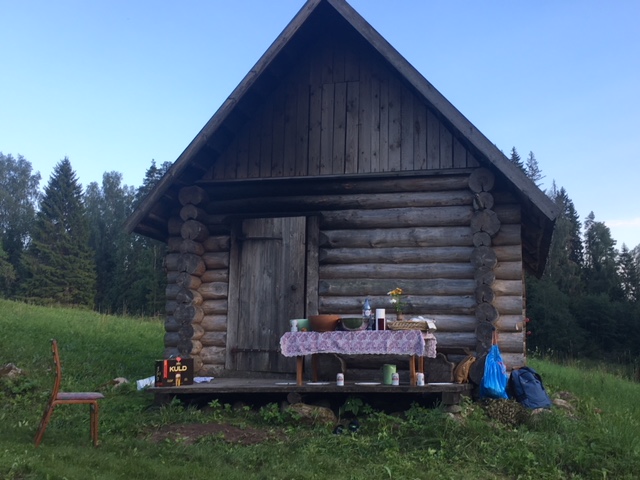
79 396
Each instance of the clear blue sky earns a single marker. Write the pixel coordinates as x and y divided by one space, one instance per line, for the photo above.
114 84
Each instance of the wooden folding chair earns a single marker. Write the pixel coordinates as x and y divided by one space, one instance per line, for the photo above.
68 398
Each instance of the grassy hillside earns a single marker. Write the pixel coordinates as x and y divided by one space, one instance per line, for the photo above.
596 438
99 347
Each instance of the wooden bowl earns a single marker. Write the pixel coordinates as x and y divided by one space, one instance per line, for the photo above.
323 323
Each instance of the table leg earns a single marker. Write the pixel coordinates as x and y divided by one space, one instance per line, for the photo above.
412 370
299 369
419 366
314 367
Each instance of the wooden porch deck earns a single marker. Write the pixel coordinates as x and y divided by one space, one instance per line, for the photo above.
256 387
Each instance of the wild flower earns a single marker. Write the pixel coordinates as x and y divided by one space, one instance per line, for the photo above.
396 299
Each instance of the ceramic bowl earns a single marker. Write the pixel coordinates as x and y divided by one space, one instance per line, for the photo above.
352 323
323 323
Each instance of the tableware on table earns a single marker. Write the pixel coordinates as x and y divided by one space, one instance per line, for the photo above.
381 322
387 372
366 315
370 384
353 323
395 379
303 324
340 380
323 323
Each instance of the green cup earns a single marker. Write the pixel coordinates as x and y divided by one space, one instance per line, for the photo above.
303 324
387 372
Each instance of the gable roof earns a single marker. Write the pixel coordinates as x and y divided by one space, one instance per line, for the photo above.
149 218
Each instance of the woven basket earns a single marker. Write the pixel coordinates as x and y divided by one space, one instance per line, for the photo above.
408 325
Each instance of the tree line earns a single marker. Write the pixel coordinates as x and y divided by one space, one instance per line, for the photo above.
67 246
587 303
63 245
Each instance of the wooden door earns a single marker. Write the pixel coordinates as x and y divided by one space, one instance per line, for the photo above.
271 291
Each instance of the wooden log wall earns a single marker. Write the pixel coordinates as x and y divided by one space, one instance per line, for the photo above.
458 261
197 290
455 251
500 305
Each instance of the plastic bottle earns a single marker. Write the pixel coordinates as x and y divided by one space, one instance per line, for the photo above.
366 315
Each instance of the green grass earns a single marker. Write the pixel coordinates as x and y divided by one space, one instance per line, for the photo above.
599 440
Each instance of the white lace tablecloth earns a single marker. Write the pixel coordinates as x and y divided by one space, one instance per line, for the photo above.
396 342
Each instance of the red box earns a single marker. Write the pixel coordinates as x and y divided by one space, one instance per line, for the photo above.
174 372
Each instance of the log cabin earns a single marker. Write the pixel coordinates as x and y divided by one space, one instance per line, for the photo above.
335 172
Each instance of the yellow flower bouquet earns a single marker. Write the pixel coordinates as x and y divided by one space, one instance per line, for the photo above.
396 299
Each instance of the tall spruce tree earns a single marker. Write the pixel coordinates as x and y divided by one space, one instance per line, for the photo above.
601 268
635 258
629 275
516 160
59 262
553 325
533 171
564 265
151 177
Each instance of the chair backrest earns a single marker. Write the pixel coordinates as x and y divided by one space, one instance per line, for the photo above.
58 369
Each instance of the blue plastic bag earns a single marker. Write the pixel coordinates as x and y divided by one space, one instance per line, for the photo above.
494 381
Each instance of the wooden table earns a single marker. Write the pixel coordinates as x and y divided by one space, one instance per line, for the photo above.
414 343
